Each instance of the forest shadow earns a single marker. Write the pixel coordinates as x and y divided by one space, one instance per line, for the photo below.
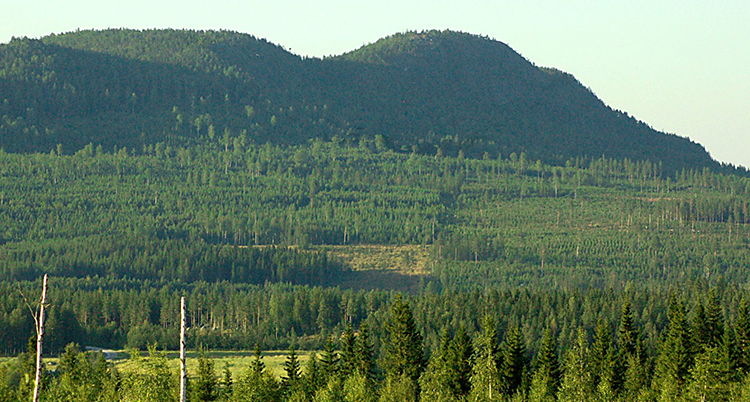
381 279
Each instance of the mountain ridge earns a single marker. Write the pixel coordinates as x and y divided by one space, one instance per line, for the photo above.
430 92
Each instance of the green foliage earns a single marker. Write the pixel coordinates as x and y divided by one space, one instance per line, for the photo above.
151 380
577 382
486 380
403 348
176 87
206 386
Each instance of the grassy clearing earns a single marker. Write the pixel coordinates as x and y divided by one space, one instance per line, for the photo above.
383 266
237 361
405 259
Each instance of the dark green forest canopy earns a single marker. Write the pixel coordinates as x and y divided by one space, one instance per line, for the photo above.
431 92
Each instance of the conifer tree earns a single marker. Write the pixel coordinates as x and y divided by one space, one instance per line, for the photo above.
603 356
547 367
577 384
313 377
357 388
513 361
206 386
459 361
403 346
700 327
630 347
257 366
227 383
728 356
364 354
708 380
292 370
714 320
676 353
486 383
329 360
348 359
258 384
435 382
627 333
742 329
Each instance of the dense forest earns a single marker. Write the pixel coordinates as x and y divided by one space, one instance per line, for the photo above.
561 255
430 92
549 248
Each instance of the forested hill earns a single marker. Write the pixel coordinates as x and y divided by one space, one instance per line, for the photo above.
431 92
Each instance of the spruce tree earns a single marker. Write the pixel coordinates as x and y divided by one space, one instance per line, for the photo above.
292 371
329 360
714 320
742 330
458 361
675 353
257 366
205 387
486 383
313 378
403 346
627 333
603 356
548 363
348 359
364 354
513 361
577 384
436 382
227 383
708 380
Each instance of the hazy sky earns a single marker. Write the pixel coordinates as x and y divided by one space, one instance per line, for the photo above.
681 66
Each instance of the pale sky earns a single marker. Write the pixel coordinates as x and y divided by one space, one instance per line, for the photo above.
681 66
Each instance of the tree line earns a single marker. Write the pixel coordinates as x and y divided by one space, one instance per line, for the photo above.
700 355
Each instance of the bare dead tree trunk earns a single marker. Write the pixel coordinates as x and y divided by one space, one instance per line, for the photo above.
183 366
39 336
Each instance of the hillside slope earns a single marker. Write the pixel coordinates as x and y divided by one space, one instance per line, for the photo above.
428 92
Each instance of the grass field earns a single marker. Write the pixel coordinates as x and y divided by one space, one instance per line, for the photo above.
237 361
